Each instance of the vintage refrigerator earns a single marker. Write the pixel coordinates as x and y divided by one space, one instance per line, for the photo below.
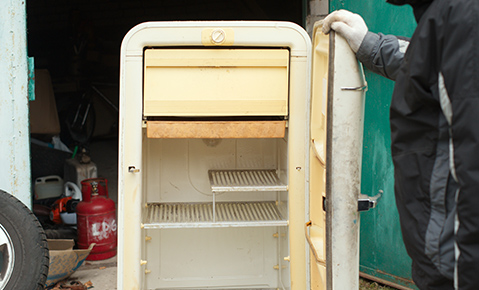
239 157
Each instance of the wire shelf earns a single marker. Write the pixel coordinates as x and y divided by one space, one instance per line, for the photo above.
223 214
245 180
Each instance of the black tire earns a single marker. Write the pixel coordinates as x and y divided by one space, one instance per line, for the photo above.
22 237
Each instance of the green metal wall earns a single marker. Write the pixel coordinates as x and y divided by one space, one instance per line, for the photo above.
382 252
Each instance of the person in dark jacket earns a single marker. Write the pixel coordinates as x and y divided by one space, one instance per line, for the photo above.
434 118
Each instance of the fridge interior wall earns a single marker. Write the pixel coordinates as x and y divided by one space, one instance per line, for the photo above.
176 171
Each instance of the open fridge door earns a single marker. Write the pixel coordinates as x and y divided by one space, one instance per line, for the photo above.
337 114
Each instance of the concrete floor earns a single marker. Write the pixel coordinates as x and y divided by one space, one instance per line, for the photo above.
102 274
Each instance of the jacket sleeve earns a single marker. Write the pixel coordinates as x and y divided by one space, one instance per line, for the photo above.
382 54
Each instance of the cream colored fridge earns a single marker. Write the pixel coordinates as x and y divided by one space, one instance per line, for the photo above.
239 157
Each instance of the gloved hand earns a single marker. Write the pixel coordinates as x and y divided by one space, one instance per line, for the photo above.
350 25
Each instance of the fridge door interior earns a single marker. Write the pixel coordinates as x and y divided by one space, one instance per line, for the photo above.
337 112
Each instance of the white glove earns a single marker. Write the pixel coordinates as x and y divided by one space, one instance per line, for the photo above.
350 25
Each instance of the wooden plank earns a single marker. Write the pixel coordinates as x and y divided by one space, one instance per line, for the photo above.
211 129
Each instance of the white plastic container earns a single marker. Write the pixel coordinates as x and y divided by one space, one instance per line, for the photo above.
73 190
48 187
69 218
75 171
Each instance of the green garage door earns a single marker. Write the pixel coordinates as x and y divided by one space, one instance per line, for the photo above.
382 252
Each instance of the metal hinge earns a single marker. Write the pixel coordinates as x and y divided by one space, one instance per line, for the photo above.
366 202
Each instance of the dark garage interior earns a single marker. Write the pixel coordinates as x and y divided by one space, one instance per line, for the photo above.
78 42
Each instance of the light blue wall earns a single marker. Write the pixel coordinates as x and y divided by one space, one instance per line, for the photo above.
14 131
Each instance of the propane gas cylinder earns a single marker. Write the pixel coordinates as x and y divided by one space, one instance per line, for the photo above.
96 220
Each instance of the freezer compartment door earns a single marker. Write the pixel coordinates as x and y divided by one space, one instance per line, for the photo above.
216 82
337 115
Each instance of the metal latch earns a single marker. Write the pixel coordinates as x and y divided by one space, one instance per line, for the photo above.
366 202
361 88
133 169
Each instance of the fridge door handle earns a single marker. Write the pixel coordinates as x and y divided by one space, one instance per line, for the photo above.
133 169
364 87
366 202
361 88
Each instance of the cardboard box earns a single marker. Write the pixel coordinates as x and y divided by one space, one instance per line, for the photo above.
64 260
43 111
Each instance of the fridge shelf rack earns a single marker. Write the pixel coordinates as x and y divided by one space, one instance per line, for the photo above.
245 180
212 215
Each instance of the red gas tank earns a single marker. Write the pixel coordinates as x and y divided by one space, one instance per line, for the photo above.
96 220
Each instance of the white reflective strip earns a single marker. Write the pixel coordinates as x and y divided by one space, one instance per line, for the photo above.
444 99
403 45
447 111
451 157
457 252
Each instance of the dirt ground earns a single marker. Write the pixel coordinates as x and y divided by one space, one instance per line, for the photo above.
370 285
